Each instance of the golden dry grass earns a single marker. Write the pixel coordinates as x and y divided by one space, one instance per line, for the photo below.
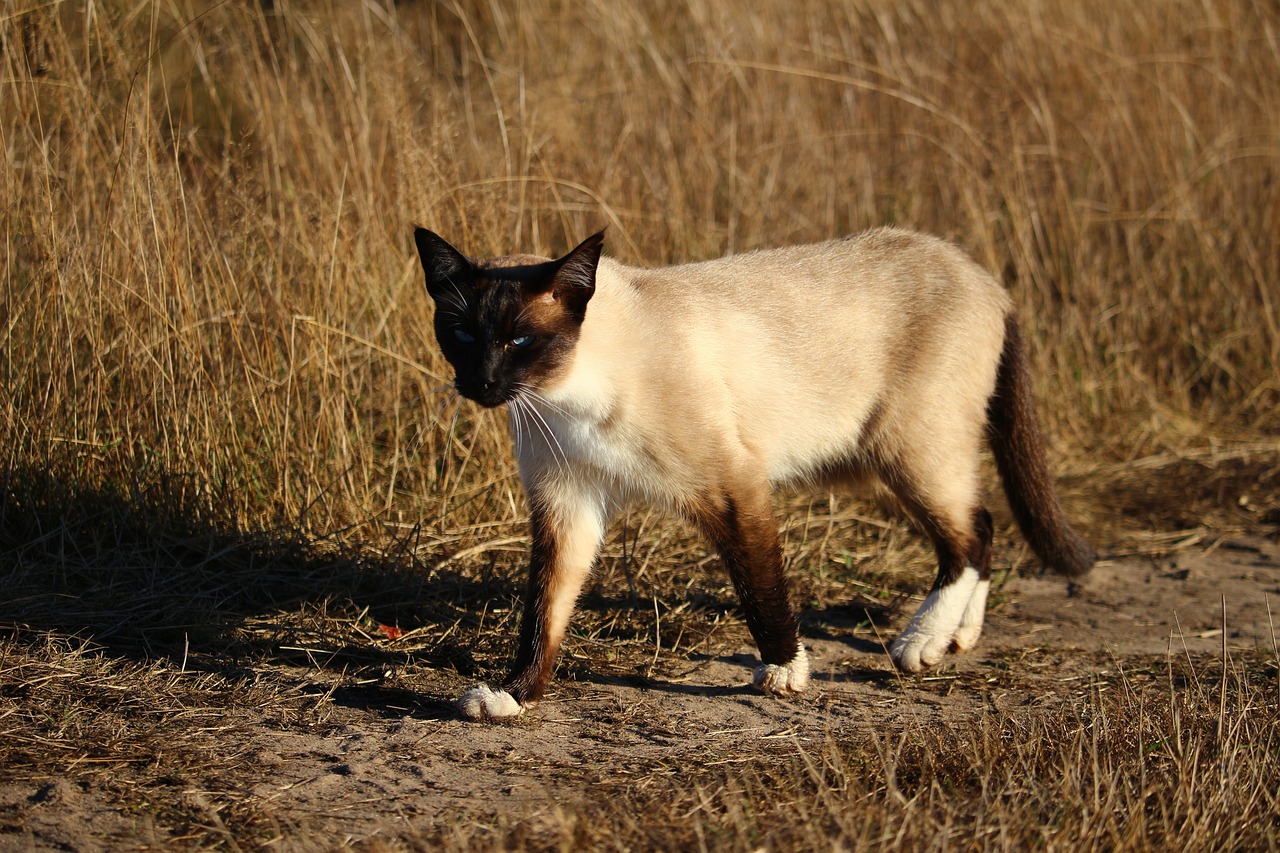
217 352
1128 768
207 210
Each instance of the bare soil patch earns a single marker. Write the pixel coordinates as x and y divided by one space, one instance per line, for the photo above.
303 758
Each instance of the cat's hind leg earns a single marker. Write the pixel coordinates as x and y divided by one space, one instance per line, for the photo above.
940 490
970 628
952 614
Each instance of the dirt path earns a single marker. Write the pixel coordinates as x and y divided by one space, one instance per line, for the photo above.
385 769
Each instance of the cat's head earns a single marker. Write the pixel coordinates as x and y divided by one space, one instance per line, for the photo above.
507 325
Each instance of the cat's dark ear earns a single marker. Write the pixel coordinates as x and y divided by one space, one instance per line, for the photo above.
447 270
574 282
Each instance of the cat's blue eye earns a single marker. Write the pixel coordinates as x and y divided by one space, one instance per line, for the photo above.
463 337
522 341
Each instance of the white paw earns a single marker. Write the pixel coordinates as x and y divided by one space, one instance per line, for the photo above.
482 703
929 634
971 622
785 679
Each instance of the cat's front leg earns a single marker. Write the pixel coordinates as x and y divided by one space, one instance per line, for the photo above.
739 521
566 534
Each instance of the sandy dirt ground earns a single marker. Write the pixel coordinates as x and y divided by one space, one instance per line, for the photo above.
388 764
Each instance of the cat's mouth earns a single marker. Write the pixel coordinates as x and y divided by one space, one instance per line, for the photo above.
485 393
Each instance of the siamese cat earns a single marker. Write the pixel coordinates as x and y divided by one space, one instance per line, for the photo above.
699 388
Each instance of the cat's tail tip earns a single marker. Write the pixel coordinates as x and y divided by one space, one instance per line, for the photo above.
1073 558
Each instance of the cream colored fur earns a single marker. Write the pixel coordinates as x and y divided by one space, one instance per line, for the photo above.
793 364
774 362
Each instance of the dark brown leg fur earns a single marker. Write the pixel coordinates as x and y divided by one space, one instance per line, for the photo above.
536 652
558 564
742 528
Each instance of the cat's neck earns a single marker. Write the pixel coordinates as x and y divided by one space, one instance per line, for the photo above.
610 337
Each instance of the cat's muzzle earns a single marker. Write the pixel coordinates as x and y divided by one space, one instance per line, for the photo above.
488 394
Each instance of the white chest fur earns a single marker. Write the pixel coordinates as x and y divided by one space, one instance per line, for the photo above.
577 444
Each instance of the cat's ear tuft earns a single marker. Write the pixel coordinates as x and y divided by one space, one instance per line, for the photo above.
446 269
575 279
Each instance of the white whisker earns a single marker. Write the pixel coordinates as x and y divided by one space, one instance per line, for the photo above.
515 418
453 422
544 401
446 401
523 393
549 434
524 312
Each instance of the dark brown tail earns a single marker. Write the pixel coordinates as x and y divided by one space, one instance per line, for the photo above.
1019 448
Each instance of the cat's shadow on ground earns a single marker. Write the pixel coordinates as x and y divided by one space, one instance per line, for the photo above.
140 577
832 626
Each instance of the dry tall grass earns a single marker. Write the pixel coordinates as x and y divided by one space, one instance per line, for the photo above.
207 207
212 316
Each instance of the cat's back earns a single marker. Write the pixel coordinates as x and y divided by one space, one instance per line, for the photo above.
792 349
875 286
885 268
